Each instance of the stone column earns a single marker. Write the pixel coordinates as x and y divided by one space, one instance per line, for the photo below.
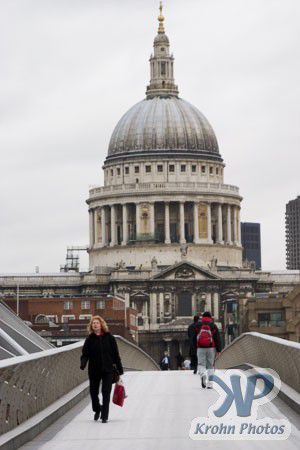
228 241
152 221
96 232
220 225
91 222
127 305
167 223
209 239
161 306
153 308
194 303
216 305
125 224
113 225
181 221
235 237
238 227
196 223
137 220
103 226
208 302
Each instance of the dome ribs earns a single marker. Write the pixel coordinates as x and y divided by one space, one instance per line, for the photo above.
163 124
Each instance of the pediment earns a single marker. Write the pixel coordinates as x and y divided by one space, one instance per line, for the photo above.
139 295
185 271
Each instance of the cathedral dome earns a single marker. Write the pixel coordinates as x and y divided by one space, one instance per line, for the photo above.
164 125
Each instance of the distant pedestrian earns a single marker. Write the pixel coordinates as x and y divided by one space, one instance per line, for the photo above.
193 345
208 347
165 362
179 360
186 364
100 350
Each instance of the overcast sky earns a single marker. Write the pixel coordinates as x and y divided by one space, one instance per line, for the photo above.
70 69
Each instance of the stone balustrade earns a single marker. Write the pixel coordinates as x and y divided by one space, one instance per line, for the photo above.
261 350
28 384
193 187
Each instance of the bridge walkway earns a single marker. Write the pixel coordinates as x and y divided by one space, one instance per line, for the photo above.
156 416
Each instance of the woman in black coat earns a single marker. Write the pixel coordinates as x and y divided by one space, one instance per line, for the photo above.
100 350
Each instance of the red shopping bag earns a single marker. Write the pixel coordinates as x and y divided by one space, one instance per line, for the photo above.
119 394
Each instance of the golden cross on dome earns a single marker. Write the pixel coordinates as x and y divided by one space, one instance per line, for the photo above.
161 19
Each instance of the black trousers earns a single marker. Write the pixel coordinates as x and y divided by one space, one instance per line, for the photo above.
194 362
106 390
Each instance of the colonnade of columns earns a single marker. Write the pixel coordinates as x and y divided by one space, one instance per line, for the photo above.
211 223
153 309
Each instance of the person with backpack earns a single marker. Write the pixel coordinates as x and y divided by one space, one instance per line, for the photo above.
208 347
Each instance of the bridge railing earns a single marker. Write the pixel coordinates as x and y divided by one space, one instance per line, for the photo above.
30 383
266 351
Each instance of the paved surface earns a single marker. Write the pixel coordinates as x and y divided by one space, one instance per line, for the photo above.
156 416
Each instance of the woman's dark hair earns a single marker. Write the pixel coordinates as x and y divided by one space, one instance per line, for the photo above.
206 314
196 318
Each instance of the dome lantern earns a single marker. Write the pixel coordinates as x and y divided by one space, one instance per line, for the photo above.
161 65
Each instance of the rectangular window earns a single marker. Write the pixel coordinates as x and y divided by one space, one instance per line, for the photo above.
100 304
85 304
159 168
85 316
163 68
67 318
171 168
203 169
68 305
183 167
194 168
127 170
272 319
118 171
217 171
136 169
211 170
112 172
148 169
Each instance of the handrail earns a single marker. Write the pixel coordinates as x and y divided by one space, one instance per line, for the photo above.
30 383
266 351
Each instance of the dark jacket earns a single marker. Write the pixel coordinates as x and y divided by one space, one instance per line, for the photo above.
192 337
215 332
101 352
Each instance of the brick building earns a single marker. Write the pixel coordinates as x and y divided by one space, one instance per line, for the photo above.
64 319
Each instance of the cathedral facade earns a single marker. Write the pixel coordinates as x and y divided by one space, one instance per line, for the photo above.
164 233
165 224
